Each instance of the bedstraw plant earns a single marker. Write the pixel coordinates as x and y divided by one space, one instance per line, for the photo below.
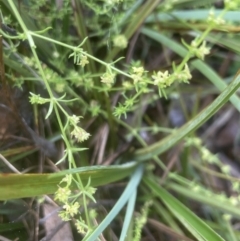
80 68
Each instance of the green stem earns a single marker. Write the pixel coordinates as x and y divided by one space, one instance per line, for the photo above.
85 53
29 34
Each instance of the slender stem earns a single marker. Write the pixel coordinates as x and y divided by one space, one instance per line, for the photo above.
29 34
79 50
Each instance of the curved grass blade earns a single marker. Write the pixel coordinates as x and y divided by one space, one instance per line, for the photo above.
169 141
197 15
193 223
13 186
126 195
128 215
214 201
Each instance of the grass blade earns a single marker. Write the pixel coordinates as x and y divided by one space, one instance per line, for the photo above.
193 223
13 186
126 195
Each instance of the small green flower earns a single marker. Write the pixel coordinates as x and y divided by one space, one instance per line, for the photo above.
55 55
7 20
30 62
212 19
88 83
91 190
74 120
81 226
226 169
161 79
120 110
206 154
71 209
201 51
37 99
84 60
129 102
64 215
80 134
60 87
94 108
138 70
127 84
136 78
187 74
137 73
108 79
120 41
62 194
194 43
193 141
182 76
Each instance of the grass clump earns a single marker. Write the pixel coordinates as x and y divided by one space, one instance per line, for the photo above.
120 90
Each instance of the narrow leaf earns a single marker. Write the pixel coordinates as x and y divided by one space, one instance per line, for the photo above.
13 186
193 223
